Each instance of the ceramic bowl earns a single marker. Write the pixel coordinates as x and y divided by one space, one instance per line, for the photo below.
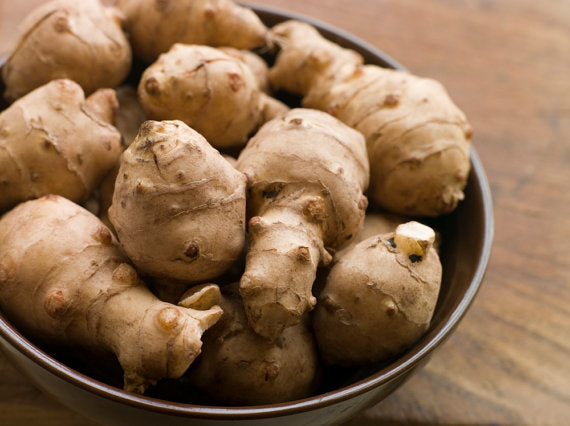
467 235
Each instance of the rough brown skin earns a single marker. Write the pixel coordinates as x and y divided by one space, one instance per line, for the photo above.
178 206
54 141
379 297
239 367
255 63
417 138
306 176
64 280
155 25
213 92
91 48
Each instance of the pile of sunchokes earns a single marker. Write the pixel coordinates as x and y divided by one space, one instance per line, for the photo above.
189 223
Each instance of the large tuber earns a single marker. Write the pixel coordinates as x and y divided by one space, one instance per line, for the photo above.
64 280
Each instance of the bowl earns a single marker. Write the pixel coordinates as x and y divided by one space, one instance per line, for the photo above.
467 235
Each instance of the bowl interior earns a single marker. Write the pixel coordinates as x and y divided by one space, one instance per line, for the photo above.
466 234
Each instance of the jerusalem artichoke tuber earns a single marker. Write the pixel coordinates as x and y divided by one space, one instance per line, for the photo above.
178 206
155 26
64 279
54 141
379 297
417 138
214 93
306 176
239 367
79 40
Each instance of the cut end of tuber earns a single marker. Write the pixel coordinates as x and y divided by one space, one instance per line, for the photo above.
201 297
414 239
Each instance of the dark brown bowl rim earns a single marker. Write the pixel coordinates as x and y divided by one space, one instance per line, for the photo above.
425 346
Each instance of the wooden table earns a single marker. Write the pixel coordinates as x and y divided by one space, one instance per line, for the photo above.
507 64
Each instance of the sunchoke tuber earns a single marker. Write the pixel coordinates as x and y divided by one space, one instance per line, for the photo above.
379 297
306 176
214 93
239 367
54 141
79 40
417 138
64 279
178 206
154 26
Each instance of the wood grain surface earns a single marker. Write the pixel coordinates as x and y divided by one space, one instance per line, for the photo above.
507 64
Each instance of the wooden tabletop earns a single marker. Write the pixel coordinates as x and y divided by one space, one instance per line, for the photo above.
506 63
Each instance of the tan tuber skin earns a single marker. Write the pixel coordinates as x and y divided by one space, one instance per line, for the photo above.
255 63
239 367
64 280
154 26
379 297
54 141
306 176
417 138
79 40
178 206
213 92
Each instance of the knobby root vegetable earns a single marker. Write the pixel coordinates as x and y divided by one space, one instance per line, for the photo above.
79 40
64 280
178 206
306 176
417 138
154 26
379 297
54 141
214 93
239 367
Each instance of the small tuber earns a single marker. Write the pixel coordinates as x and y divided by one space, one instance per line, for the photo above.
79 40
54 141
379 297
154 26
213 92
239 367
